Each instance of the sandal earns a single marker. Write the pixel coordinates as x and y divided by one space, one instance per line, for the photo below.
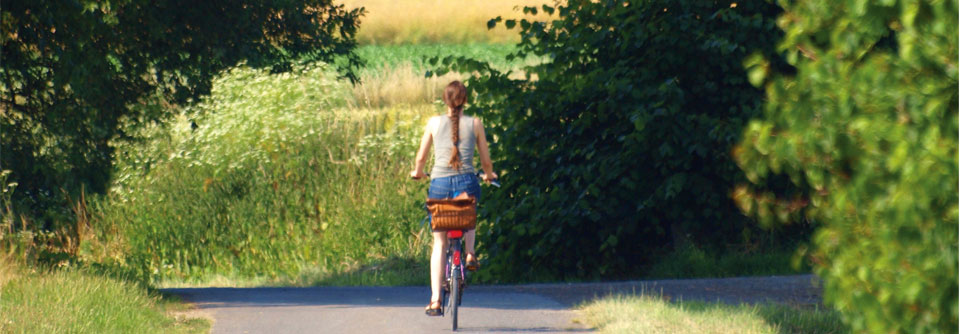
434 311
472 264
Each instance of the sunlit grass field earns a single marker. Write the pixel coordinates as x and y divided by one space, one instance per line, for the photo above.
433 21
648 314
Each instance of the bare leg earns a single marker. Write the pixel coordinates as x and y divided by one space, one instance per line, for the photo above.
436 264
470 238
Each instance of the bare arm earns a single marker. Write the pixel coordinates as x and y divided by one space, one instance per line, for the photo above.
484 151
425 142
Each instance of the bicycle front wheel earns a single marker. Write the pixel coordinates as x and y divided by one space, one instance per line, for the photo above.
454 295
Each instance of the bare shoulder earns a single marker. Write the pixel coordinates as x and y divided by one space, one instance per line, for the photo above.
432 123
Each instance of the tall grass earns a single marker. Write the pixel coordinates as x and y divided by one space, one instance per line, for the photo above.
434 21
70 301
399 85
266 177
646 314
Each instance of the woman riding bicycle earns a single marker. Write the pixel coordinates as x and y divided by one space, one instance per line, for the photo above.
455 135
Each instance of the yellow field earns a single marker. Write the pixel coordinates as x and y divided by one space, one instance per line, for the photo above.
434 21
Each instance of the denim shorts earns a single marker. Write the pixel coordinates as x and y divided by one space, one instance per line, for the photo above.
450 186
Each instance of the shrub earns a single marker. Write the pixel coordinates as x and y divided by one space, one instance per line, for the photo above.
869 122
617 147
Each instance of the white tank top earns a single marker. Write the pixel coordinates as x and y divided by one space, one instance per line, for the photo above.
440 128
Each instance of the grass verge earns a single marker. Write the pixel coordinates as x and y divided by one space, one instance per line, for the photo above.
74 301
646 314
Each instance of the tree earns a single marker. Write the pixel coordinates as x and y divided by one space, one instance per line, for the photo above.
74 71
869 122
616 147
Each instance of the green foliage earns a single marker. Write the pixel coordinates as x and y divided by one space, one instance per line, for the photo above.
265 177
73 71
869 121
617 147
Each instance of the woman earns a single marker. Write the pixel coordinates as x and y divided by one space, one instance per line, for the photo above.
455 135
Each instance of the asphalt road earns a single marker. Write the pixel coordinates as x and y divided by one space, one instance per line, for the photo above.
535 308
374 310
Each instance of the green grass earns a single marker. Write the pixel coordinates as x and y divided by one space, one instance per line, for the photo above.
72 301
646 314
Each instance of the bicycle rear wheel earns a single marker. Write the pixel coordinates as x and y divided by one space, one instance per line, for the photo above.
454 294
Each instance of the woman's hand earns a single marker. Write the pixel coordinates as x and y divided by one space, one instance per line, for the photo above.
417 174
488 176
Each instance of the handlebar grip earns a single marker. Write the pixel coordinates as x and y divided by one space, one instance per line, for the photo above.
493 182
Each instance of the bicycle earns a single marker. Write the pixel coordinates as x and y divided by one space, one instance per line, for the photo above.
455 277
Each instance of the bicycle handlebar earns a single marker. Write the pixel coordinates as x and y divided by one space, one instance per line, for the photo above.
493 182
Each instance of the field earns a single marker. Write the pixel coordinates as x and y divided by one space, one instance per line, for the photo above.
432 21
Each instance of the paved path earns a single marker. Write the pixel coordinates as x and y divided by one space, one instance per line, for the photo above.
374 310
535 308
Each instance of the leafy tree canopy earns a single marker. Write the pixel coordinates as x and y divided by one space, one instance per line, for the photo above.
74 71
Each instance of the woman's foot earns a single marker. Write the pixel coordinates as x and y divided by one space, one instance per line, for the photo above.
434 309
472 264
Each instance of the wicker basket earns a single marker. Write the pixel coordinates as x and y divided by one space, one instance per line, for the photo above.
453 213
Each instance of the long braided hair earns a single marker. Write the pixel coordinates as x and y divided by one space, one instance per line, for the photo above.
455 96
